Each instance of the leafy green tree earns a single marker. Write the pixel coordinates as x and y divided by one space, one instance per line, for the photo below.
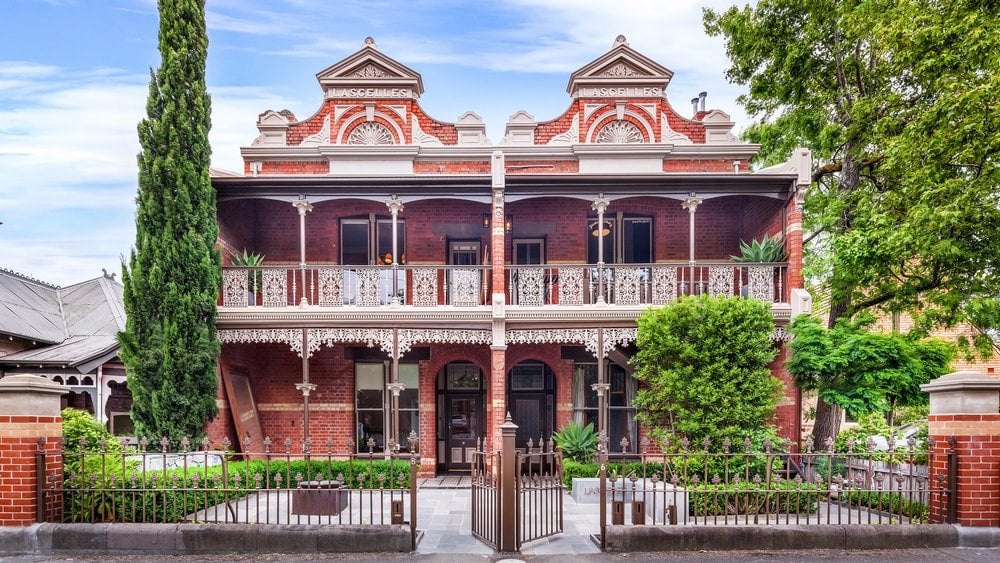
173 274
896 99
865 372
704 361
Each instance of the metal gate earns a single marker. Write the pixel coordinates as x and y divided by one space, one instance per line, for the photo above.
517 496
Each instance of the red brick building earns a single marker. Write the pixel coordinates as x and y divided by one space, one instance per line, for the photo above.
417 277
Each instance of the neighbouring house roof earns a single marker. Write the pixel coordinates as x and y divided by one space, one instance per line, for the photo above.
73 326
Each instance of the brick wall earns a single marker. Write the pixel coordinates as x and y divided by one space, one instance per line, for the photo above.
977 444
19 442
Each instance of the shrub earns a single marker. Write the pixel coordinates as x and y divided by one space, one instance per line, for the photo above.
767 249
746 498
893 503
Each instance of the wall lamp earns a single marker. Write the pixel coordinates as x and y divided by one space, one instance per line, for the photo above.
508 222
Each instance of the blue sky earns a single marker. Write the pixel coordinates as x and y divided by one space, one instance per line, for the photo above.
74 73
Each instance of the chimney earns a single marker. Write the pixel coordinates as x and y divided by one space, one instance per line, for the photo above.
701 98
694 105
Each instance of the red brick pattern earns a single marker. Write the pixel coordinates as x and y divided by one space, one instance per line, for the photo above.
977 444
19 442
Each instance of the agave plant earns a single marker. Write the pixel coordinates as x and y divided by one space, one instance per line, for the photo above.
577 442
767 249
253 263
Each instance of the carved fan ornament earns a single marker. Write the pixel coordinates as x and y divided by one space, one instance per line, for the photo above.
619 131
371 71
620 69
370 133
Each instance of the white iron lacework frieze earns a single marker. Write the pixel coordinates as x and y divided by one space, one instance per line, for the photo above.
720 280
780 334
370 133
425 287
409 337
234 288
381 337
571 286
290 336
628 282
530 287
330 290
761 282
464 287
275 287
614 337
619 131
585 336
368 280
664 284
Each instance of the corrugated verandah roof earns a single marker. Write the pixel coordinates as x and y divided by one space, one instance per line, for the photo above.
79 322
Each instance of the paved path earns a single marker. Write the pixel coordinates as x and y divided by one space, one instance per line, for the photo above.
443 513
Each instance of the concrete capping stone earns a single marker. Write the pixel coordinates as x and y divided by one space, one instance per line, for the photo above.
690 538
202 539
18 540
977 536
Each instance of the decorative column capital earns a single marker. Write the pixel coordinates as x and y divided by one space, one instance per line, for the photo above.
305 388
691 203
601 388
395 205
395 388
600 204
303 205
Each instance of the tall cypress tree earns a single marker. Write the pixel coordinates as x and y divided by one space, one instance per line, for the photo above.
171 281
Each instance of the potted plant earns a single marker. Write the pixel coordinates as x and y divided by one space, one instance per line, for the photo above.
252 262
767 249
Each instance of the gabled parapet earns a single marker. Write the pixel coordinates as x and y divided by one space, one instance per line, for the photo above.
800 164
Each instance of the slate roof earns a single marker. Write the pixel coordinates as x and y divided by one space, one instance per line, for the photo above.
74 325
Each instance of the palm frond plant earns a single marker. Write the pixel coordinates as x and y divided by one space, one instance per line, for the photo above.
767 249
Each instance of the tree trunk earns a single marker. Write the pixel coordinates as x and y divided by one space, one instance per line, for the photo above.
827 424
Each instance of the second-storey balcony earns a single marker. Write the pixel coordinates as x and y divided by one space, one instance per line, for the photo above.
562 285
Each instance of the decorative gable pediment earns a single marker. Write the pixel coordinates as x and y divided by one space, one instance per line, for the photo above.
367 73
622 72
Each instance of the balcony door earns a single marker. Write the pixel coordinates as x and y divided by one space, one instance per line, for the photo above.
466 286
368 242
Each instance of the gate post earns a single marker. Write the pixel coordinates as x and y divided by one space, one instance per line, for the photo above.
965 426
508 486
30 432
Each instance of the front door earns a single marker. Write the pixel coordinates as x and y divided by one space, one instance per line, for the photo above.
463 426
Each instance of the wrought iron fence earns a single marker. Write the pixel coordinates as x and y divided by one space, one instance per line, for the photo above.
738 484
275 484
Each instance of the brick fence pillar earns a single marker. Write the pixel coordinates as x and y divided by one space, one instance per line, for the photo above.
965 415
30 431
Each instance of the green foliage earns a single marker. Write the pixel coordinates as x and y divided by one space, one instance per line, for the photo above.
893 503
767 249
863 371
120 492
575 469
252 261
578 442
173 273
896 101
704 361
745 498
